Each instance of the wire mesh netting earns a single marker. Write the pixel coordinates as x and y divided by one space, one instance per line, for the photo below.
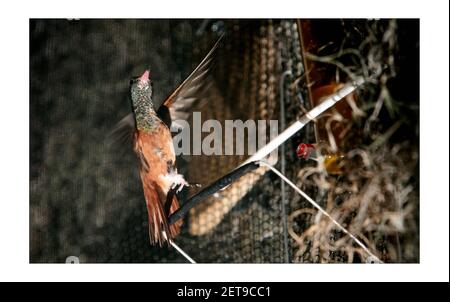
86 199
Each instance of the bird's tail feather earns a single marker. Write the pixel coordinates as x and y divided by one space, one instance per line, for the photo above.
157 216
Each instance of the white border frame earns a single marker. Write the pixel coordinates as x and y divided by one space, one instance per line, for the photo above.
434 150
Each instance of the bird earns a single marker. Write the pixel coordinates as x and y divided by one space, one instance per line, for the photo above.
148 127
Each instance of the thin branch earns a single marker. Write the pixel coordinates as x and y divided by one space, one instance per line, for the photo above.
318 207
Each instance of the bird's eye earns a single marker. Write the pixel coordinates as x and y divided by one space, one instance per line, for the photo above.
134 80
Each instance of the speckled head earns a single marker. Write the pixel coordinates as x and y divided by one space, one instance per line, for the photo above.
141 89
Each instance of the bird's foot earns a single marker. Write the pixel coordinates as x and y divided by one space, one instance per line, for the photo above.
178 182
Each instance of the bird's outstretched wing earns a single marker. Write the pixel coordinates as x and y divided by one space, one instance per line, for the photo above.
180 103
192 92
122 134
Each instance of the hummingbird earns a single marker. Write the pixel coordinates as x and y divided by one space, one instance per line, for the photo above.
148 126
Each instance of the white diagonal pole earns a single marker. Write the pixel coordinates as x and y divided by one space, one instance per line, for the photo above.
310 115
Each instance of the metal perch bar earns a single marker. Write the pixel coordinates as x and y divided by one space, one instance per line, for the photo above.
211 189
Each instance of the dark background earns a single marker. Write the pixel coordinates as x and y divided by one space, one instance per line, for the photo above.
83 197
86 198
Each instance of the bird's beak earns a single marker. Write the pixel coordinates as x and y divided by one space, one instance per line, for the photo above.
145 76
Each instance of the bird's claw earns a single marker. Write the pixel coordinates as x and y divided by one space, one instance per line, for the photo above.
180 182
